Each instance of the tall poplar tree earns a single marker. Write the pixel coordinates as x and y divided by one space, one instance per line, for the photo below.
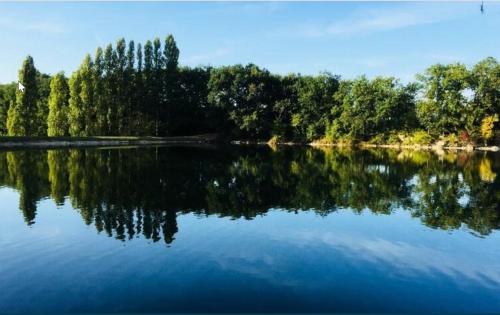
75 114
22 115
139 81
42 104
171 107
87 95
110 89
121 90
157 101
129 84
99 125
57 120
147 102
7 99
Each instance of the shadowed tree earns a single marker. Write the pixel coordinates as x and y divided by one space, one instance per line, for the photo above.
99 124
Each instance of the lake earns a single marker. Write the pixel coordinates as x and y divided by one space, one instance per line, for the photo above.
249 229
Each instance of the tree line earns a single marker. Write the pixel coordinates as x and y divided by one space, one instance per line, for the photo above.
129 89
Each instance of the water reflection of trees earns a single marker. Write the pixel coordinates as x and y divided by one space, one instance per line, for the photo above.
129 192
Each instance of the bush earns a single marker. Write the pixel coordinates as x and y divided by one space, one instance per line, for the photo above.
464 137
275 140
378 139
418 138
451 140
393 138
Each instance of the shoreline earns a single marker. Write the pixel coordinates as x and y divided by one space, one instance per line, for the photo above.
68 142
468 148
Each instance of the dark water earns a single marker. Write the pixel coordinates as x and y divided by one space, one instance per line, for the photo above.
184 229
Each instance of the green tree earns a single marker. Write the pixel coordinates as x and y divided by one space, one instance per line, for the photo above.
156 85
87 111
245 95
130 89
7 97
368 108
21 117
98 127
57 120
485 84
121 87
171 108
110 89
42 104
76 117
444 102
148 105
81 111
314 104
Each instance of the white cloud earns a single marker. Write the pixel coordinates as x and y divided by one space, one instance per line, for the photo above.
407 259
370 21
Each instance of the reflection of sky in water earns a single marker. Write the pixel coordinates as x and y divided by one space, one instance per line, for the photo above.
280 261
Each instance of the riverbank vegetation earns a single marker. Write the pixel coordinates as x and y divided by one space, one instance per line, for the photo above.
141 90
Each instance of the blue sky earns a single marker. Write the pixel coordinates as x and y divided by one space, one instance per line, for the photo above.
347 38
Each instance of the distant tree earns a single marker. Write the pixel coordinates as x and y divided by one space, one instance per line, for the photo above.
140 122
42 104
87 95
122 88
130 90
192 100
172 108
98 127
445 89
76 116
21 116
485 84
245 95
57 120
314 105
156 85
371 107
7 97
285 107
110 88
488 127
149 82
139 81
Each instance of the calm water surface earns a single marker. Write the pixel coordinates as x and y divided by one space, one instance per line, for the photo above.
240 229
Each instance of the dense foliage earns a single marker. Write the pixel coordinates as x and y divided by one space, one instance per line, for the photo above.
139 89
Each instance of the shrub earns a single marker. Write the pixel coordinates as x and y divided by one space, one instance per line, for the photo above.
275 140
378 139
451 139
418 138
393 138
464 137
